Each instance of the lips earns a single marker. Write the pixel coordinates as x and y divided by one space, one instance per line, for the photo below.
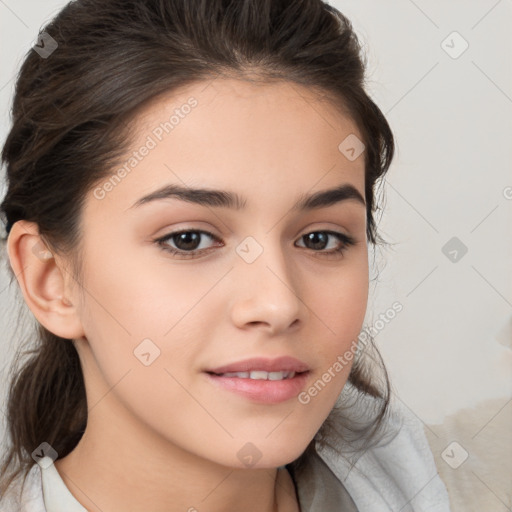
262 368
262 380
261 391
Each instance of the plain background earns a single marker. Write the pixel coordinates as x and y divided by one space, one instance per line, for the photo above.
450 348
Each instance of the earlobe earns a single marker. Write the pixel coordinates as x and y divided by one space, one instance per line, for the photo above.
43 282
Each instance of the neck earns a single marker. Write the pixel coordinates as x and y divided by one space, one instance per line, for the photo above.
119 465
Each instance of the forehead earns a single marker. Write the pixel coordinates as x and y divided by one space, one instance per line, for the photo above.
239 135
257 107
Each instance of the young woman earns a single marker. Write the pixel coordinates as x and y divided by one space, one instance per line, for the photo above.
190 207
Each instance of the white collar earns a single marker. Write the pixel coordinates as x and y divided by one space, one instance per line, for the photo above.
57 497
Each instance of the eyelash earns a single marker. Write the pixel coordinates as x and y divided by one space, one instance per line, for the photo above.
346 242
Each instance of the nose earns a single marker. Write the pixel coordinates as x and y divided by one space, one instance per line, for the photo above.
266 291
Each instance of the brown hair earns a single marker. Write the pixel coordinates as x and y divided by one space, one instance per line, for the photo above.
69 129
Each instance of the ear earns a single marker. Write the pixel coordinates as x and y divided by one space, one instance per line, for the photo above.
44 282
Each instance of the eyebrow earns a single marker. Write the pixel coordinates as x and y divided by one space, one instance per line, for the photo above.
226 199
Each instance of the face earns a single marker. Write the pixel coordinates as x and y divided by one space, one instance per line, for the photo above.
197 308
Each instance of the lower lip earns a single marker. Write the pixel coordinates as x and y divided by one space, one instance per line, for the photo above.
260 390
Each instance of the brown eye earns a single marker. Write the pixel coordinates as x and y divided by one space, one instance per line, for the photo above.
187 243
319 240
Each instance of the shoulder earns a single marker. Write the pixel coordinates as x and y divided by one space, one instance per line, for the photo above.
397 473
25 495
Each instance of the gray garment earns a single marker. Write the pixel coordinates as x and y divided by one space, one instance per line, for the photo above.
319 489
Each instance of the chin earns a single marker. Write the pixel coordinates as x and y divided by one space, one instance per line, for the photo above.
264 454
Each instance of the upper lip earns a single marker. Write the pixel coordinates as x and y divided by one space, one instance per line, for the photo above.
279 364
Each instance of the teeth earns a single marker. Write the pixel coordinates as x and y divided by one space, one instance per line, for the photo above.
242 375
261 375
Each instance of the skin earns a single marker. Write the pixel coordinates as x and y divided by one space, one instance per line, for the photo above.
162 437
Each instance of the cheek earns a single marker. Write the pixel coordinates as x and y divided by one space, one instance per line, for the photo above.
339 304
144 332
132 309
137 297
